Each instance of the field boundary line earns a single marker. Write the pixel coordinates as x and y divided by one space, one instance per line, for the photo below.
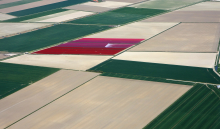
177 106
50 102
192 109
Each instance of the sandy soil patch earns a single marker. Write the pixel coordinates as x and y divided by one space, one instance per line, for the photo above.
8 1
29 5
13 28
5 17
88 8
206 60
187 16
134 30
204 6
185 37
50 16
29 99
67 16
106 103
77 62
107 4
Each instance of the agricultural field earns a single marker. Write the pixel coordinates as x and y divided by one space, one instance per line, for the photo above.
167 4
205 60
15 28
47 36
197 109
120 16
112 64
185 37
75 62
96 103
40 94
47 7
141 30
14 77
92 46
166 71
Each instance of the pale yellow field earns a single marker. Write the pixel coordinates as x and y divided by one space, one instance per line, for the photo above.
76 62
106 103
29 99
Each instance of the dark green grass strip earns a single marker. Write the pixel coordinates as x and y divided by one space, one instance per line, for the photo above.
47 7
186 73
14 77
119 16
47 36
138 77
17 3
196 109
19 19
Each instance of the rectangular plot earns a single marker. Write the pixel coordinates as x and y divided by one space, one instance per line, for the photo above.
47 36
204 6
53 15
14 107
134 30
107 4
130 1
167 4
187 16
66 17
88 8
16 3
47 7
198 108
156 70
186 37
77 62
14 77
8 1
96 45
130 103
120 16
80 50
107 40
29 5
13 28
206 60
5 17
33 16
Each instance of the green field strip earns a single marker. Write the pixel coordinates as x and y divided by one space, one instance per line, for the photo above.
14 77
166 4
51 102
41 14
145 78
51 16
17 3
176 72
120 16
196 109
47 7
47 37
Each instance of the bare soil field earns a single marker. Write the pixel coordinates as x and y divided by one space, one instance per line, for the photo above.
29 5
5 16
134 30
185 37
29 99
13 28
206 60
76 62
106 103
187 16
88 8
